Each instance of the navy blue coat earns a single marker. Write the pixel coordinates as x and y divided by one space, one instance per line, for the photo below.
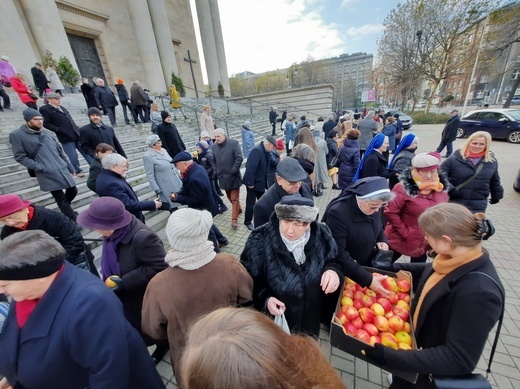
76 337
105 97
112 184
91 135
256 168
349 162
196 190
60 122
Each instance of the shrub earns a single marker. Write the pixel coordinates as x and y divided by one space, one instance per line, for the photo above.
177 81
430 118
66 72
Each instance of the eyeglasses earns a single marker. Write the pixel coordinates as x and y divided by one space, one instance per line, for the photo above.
38 119
371 206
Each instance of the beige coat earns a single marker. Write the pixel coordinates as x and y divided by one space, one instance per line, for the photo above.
206 124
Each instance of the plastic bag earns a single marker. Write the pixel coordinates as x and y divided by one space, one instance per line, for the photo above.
282 322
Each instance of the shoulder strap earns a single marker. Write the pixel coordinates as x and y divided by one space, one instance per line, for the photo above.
37 148
500 319
479 169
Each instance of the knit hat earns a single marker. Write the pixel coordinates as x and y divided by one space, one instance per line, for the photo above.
11 203
247 124
296 207
30 113
105 213
93 111
182 156
187 229
152 139
204 134
426 161
164 115
203 145
279 145
120 81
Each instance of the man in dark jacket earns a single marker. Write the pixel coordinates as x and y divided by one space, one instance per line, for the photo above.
196 193
125 101
138 99
289 181
106 100
255 176
40 81
272 119
228 159
329 125
96 132
170 138
449 134
57 119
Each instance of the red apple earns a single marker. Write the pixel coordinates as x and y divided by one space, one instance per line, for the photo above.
358 295
351 313
350 287
407 327
385 303
403 305
389 314
387 339
403 286
389 284
347 301
361 288
377 309
396 323
358 323
370 292
350 328
348 293
381 323
402 313
404 296
362 335
374 340
350 282
358 304
342 318
368 301
366 315
392 297
371 329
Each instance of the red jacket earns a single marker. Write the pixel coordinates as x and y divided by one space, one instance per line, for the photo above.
22 90
402 215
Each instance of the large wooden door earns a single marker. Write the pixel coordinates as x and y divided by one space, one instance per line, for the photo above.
86 56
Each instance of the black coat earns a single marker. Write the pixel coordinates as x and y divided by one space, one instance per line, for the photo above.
332 146
91 135
264 207
275 273
475 194
349 162
39 78
356 235
228 160
450 346
88 94
122 93
57 225
112 184
93 173
256 168
272 117
171 140
309 169
60 122
449 133
196 190
105 97
327 126
207 161
375 166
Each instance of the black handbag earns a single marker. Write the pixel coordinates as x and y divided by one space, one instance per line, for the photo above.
382 259
473 381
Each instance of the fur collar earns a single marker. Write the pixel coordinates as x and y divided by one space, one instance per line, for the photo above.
410 186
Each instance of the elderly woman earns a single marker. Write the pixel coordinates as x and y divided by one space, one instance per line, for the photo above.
229 339
374 162
65 329
292 273
421 187
473 173
206 122
305 156
402 158
176 103
333 151
132 253
320 169
155 117
163 177
354 218
96 166
112 182
458 300
211 280
54 80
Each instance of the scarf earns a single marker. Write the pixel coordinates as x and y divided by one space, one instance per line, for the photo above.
442 266
187 170
109 263
29 218
474 157
192 260
297 247
426 187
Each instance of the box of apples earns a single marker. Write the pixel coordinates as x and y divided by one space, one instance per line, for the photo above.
364 317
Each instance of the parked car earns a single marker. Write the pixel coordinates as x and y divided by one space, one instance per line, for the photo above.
421 104
407 120
501 123
516 100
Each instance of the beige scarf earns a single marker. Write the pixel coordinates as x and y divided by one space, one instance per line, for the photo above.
192 260
442 266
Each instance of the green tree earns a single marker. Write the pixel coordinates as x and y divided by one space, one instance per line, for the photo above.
220 89
47 59
66 72
177 81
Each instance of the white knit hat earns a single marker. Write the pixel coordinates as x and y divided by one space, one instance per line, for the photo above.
187 229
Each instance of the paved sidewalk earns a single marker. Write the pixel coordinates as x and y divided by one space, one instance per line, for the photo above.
503 248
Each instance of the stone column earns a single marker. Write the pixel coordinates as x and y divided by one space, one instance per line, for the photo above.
219 44
20 51
208 43
161 28
154 78
47 28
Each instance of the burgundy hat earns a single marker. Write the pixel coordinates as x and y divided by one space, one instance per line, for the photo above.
280 145
105 213
11 203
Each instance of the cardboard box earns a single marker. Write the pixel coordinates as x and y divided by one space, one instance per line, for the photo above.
353 346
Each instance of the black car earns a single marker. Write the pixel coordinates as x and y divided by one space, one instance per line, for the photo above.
502 123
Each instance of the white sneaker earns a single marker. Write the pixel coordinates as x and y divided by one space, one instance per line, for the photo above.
389 378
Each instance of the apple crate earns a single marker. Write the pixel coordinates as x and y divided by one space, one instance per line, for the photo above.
353 346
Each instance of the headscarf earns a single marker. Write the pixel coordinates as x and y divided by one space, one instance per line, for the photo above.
407 140
376 142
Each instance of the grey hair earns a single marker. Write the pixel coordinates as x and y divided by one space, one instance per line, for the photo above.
371 113
332 117
113 159
384 197
304 151
28 248
219 131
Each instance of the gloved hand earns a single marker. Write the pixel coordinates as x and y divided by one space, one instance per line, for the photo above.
115 283
377 353
493 201
453 193
158 192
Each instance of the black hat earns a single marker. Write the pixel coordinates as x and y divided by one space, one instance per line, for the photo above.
93 111
271 139
182 156
369 186
290 170
296 207
165 114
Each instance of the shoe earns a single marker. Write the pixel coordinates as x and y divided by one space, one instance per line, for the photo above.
323 186
250 227
390 378
316 192
80 174
240 211
445 156
234 225
335 186
225 243
127 123
222 209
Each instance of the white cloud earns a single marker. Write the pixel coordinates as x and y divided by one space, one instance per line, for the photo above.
356 33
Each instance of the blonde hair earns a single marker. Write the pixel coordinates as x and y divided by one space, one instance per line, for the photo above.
154 107
242 348
479 134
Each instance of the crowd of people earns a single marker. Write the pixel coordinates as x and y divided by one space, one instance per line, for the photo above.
212 309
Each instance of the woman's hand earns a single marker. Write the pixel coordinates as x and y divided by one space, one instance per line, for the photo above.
329 281
4 384
376 284
275 307
382 246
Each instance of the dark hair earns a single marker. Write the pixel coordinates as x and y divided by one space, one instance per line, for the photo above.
353 134
332 133
320 119
396 115
103 148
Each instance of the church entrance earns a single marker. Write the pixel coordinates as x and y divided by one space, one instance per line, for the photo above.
86 55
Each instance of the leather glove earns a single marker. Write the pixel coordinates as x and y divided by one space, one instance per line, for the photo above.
115 283
377 353
493 201
158 192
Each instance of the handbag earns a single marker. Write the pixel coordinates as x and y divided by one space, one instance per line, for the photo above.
33 96
31 172
382 259
4 81
475 380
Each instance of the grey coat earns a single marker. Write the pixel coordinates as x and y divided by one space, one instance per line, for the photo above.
52 167
161 174
320 166
228 159
367 127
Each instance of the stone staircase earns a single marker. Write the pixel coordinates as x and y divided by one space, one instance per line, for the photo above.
15 179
